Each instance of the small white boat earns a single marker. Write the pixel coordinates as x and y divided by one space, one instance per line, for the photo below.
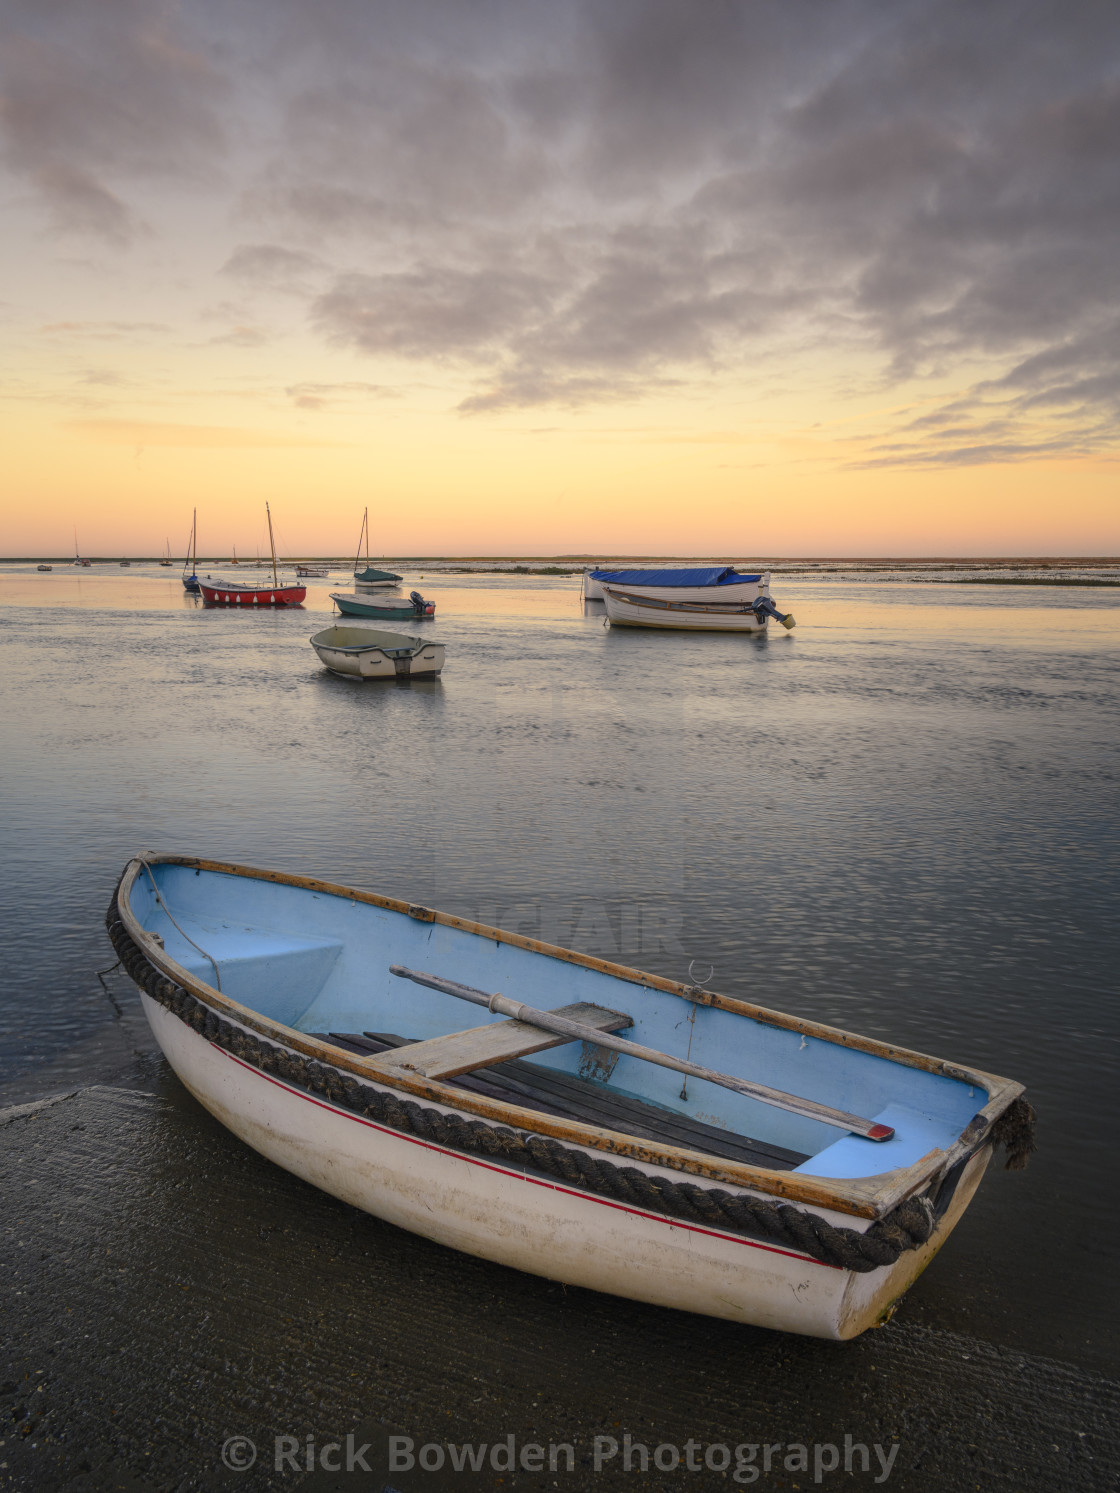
803 1187
706 583
44 567
590 587
369 653
312 570
629 609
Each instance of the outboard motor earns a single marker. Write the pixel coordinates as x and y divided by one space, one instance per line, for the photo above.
419 605
764 607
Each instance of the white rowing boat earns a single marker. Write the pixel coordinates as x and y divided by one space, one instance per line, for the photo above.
630 609
800 1178
369 653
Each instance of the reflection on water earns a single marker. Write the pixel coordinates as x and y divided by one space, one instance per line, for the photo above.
896 819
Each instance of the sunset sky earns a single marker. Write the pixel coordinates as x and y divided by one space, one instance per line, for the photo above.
631 276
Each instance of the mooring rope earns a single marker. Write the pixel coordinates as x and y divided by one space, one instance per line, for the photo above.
907 1227
175 925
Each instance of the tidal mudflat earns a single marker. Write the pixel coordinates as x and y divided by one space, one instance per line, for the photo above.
899 819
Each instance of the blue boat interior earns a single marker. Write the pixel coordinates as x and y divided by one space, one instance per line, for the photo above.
319 963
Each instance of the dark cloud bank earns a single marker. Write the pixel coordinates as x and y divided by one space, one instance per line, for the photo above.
577 202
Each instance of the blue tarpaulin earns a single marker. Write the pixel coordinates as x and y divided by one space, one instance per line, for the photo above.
713 575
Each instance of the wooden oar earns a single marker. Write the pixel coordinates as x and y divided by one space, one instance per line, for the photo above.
503 1005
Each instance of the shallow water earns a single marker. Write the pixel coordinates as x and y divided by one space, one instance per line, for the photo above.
899 818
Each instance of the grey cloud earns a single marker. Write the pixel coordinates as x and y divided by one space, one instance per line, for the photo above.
273 265
241 336
525 388
106 331
581 202
685 190
1072 388
96 99
313 396
433 311
974 455
104 377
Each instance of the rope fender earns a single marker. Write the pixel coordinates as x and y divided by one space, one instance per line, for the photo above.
907 1227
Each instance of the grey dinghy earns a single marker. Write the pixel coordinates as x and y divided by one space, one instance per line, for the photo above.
369 653
800 1178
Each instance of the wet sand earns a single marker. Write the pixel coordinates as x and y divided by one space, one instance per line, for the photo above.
166 1289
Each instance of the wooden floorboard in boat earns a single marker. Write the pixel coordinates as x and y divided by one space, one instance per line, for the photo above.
569 1097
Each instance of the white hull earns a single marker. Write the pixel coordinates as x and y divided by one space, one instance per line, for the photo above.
534 1223
699 617
367 653
373 664
592 590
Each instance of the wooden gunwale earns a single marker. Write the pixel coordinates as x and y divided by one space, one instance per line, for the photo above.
861 1197
663 604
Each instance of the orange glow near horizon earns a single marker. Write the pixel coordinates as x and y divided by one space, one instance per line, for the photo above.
665 479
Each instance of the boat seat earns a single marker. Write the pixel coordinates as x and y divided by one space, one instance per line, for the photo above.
498 1041
552 1092
277 974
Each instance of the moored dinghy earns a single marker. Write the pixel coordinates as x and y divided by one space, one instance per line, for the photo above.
370 578
631 609
395 610
191 582
247 593
693 583
801 1179
369 653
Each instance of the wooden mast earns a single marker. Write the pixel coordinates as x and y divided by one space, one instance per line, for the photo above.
272 545
363 533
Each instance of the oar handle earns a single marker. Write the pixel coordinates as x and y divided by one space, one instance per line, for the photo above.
448 987
532 1016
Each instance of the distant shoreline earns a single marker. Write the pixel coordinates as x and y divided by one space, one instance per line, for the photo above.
579 562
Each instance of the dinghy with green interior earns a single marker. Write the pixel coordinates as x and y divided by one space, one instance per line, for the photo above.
556 1113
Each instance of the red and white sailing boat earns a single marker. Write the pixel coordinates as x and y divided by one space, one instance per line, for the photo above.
247 593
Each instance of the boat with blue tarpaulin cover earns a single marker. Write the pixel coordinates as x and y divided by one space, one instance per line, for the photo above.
695 583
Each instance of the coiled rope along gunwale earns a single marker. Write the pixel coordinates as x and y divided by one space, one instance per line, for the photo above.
907 1227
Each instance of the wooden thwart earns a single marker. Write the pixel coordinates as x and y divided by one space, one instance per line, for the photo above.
483 1046
570 1030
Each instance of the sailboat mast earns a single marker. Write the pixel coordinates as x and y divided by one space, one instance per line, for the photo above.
363 533
272 545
